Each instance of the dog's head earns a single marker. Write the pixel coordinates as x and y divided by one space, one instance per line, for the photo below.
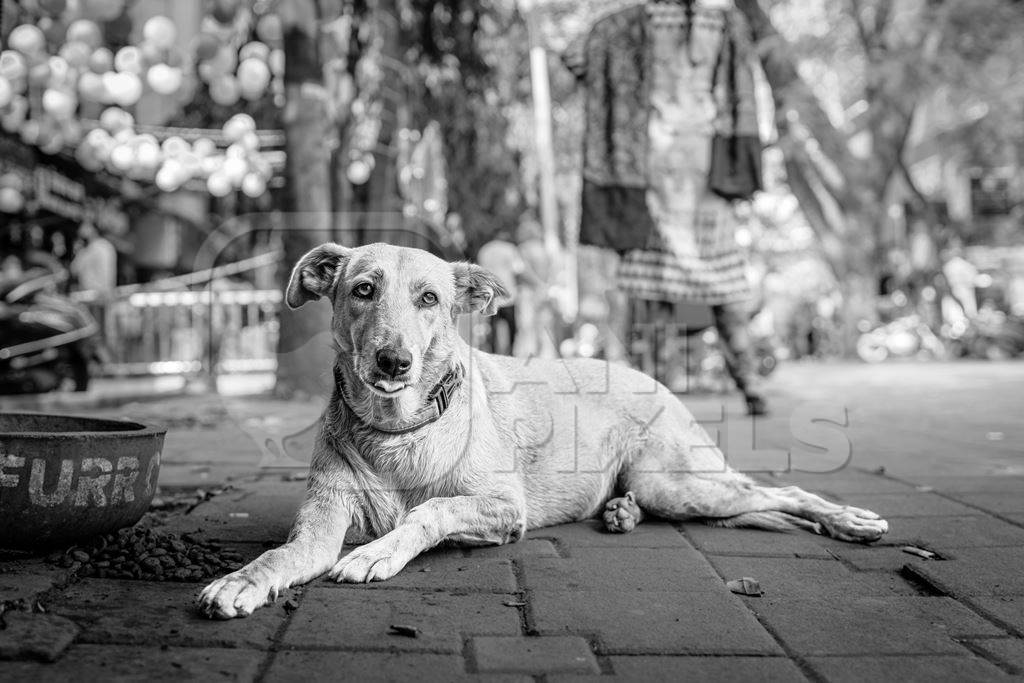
394 307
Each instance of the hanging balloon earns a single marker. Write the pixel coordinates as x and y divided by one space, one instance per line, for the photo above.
39 74
253 185
102 10
30 132
269 30
235 169
207 45
358 171
76 54
124 88
71 131
210 165
224 90
87 159
12 66
101 60
203 147
6 92
175 146
218 184
225 60
235 151
12 179
254 50
152 53
166 180
11 200
250 142
122 157
115 119
147 155
60 72
163 79
51 142
237 126
17 110
85 31
276 62
27 39
225 11
60 104
253 78
53 7
90 87
128 60
160 31
53 29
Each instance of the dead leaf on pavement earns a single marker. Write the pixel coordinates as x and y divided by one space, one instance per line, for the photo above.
745 586
920 552
401 630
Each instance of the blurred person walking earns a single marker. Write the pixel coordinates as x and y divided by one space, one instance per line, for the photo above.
501 256
95 264
667 148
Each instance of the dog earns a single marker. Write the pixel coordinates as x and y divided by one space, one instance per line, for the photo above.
427 440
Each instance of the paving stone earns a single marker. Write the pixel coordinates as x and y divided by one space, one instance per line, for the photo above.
719 541
449 569
242 516
977 484
28 635
648 534
1008 651
897 668
845 482
788 577
536 655
143 613
977 571
353 617
22 578
528 547
968 531
386 667
717 669
871 626
875 557
906 504
1007 609
621 569
710 622
140 665
991 501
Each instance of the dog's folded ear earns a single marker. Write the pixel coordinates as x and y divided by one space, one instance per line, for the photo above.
315 274
477 289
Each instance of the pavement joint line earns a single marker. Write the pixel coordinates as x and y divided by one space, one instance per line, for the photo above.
968 644
923 584
469 663
276 639
799 662
527 621
970 604
557 543
945 495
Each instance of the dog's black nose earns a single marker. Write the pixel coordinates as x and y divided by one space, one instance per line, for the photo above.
394 362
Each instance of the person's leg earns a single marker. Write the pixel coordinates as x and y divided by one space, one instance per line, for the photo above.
731 323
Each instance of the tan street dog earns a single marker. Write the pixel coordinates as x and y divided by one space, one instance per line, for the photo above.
428 440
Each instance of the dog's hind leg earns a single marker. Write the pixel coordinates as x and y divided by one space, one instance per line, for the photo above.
728 498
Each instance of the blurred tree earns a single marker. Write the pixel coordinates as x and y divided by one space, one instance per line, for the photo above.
851 79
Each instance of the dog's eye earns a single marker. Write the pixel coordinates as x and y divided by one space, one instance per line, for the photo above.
428 299
363 290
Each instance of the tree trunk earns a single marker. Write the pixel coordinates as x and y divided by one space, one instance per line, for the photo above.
305 352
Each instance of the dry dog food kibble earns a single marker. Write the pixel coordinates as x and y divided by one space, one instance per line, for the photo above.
148 555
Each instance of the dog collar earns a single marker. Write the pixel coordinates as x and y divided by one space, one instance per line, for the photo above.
439 398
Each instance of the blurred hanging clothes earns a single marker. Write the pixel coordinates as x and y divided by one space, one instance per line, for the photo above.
671 137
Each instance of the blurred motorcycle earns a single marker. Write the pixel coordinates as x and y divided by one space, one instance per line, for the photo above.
904 337
46 340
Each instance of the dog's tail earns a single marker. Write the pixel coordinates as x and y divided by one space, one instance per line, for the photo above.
771 520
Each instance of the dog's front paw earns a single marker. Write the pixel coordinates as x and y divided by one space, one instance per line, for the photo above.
855 525
238 594
621 515
375 561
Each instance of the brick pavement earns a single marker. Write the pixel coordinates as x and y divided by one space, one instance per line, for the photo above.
572 603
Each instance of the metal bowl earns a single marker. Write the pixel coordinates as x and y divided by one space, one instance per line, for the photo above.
64 478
